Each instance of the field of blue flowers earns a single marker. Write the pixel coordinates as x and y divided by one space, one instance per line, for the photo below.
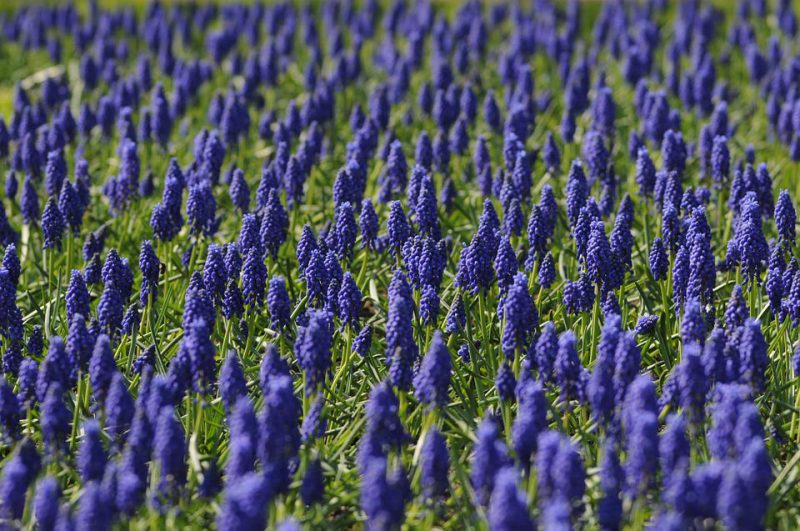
393 264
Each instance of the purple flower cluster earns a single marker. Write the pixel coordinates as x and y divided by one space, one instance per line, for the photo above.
318 194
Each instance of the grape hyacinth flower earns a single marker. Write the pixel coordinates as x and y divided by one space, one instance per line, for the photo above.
642 462
29 202
244 440
92 456
94 509
9 411
274 224
489 457
383 498
749 237
119 408
55 369
611 482
435 465
432 380
314 423
363 341
150 266
785 219
239 191
368 222
384 428
232 383
349 300
77 297
560 472
627 362
753 355
312 488
505 382
244 503
313 349
17 474
520 316
530 422
693 328
48 494
169 450
214 273
646 324
53 225
55 419
254 278
508 509
567 367
278 303
279 430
